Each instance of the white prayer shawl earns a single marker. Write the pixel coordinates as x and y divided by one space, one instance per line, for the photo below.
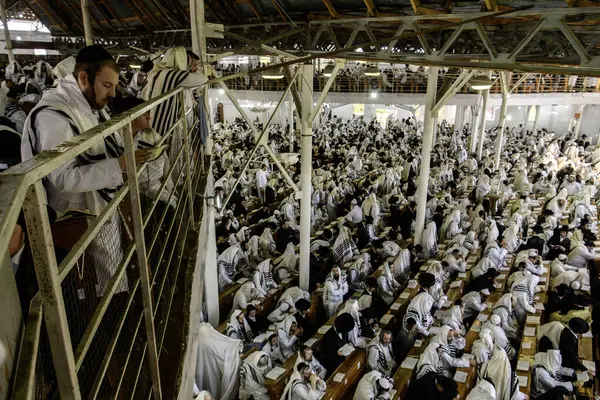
231 261
500 337
454 319
429 361
429 241
218 362
263 277
449 362
351 307
267 243
379 357
568 277
343 248
511 234
289 258
297 389
359 271
482 267
546 369
367 386
244 296
387 284
503 308
286 340
498 370
371 208
402 265
557 267
420 310
552 331
483 187
253 382
483 391
334 292
451 226
483 346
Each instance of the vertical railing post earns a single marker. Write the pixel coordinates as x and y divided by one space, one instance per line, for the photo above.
188 156
142 260
46 270
87 23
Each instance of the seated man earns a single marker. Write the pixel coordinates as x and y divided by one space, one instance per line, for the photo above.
373 385
335 338
304 384
380 355
305 355
554 336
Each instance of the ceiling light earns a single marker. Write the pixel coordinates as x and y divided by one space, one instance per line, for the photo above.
519 107
508 117
373 95
328 70
18 37
480 83
372 71
273 74
553 112
222 92
135 66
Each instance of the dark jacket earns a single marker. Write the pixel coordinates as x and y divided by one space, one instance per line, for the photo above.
536 242
330 344
569 349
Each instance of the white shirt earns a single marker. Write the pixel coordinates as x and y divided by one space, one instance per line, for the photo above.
261 178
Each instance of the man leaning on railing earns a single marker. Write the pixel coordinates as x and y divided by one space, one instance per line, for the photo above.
88 181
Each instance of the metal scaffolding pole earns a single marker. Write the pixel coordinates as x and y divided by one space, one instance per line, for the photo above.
504 79
482 123
578 123
536 120
7 40
87 22
423 182
306 86
291 121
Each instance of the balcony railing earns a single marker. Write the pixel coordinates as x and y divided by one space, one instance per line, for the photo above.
113 285
416 83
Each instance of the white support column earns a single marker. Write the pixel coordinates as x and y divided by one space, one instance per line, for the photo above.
578 123
87 23
474 124
459 118
7 40
537 118
291 120
306 87
428 129
503 109
435 130
482 112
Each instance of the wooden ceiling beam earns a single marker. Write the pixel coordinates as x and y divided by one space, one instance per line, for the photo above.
371 8
418 9
331 8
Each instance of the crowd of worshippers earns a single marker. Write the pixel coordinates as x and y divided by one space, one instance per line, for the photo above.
364 181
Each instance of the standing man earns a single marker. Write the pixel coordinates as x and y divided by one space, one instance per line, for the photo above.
262 177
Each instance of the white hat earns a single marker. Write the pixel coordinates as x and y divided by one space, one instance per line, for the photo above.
562 257
384 383
284 307
485 292
532 253
495 319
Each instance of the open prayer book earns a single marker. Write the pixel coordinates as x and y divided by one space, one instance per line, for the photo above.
275 373
346 349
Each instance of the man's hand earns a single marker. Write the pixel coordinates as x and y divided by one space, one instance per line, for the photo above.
472 362
141 156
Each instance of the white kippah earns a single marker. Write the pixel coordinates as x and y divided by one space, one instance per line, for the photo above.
576 285
532 253
562 257
495 319
384 383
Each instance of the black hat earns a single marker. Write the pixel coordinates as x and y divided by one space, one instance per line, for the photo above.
578 325
344 323
564 228
302 305
426 279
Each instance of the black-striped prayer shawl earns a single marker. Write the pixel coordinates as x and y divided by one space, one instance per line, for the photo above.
166 113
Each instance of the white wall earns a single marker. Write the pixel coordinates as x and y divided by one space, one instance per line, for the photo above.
557 110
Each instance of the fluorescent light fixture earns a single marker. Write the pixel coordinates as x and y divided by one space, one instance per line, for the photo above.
554 112
18 37
519 107
508 118
135 66
278 74
373 95
372 71
480 83
315 104
222 92
359 50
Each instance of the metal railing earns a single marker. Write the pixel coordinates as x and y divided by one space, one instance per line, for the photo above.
416 83
84 336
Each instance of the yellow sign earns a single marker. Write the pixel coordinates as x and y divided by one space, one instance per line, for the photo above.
359 109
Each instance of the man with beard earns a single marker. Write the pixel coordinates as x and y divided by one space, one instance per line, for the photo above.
380 356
